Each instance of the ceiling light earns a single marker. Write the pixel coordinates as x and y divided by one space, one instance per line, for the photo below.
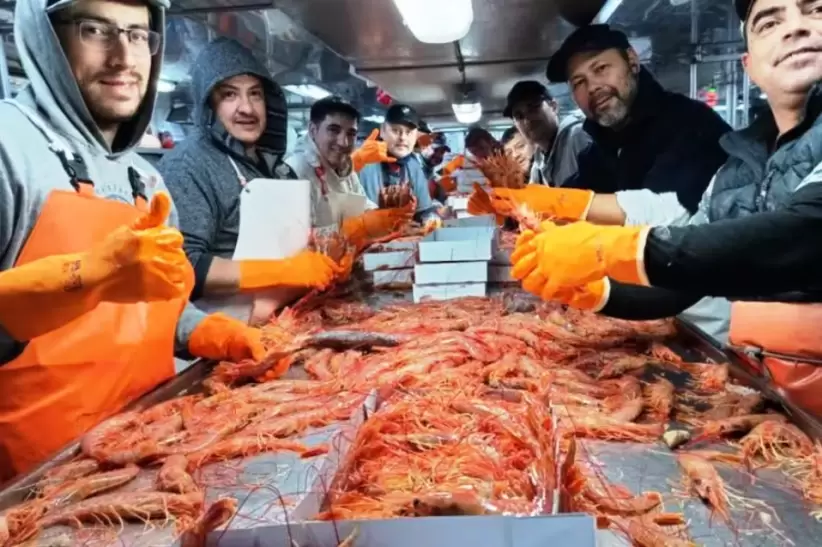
437 21
165 86
607 11
467 113
374 119
309 91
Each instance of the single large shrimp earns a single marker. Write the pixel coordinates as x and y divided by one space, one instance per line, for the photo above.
706 482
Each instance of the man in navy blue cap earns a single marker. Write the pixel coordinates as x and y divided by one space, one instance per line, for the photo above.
654 151
400 132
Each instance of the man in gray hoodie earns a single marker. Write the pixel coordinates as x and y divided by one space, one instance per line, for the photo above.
241 123
93 282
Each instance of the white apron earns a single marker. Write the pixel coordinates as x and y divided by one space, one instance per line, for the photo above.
287 227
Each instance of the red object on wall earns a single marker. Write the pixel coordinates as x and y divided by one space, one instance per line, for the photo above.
383 97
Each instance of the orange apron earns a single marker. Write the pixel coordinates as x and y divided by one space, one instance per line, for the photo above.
783 342
65 382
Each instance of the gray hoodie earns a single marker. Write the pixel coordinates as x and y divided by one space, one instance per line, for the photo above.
199 171
560 163
29 170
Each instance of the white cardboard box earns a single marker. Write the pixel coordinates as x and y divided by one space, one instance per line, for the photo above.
448 291
457 203
470 221
463 244
391 260
435 273
577 530
393 279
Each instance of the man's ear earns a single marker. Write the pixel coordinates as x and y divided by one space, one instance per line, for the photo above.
633 60
312 129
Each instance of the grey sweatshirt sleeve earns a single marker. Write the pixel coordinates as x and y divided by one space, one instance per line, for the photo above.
198 210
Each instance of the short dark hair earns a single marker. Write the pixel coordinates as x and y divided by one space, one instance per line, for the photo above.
476 135
329 106
509 134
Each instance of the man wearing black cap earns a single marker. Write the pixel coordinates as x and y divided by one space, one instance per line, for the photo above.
557 143
400 131
655 152
755 238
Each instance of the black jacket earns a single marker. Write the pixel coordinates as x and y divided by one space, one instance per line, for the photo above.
671 144
762 236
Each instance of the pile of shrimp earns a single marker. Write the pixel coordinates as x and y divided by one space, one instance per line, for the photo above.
484 402
440 452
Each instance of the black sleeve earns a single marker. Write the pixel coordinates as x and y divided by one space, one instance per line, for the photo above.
641 303
758 255
595 172
690 162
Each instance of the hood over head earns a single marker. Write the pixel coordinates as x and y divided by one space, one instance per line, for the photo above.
225 58
52 88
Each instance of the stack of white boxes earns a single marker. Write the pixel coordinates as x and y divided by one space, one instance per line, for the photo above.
392 266
452 262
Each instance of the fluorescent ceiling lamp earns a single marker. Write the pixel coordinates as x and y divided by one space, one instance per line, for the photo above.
309 91
437 21
607 11
467 113
165 86
374 119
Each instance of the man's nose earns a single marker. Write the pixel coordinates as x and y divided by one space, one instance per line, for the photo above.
121 54
795 25
245 105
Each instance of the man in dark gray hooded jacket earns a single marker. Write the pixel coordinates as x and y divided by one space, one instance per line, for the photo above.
241 124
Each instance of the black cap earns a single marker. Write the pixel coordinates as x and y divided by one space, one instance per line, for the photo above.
525 91
332 105
424 127
403 114
590 38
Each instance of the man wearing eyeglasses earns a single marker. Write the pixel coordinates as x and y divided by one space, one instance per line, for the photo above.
94 282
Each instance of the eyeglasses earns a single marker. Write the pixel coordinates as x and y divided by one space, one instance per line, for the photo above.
105 36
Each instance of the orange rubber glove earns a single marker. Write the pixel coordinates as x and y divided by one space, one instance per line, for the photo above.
479 203
222 338
577 254
448 183
138 263
305 269
371 151
458 162
377 223
564 203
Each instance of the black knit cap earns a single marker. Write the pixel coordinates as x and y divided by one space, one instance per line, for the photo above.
590 38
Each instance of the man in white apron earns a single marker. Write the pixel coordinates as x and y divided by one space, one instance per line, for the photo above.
323 157
241 128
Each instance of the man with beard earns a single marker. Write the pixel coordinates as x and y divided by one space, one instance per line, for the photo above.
400 132
94 282
556 143
755 238
240 119
655 151
323 157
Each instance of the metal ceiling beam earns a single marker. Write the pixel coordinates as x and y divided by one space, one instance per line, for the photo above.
257 6
467 64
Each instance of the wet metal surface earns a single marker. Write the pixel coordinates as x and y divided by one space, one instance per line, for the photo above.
765 510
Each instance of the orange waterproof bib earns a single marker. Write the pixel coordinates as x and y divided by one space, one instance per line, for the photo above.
783 341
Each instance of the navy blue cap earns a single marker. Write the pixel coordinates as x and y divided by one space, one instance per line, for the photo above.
590 38
526 90
403 114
